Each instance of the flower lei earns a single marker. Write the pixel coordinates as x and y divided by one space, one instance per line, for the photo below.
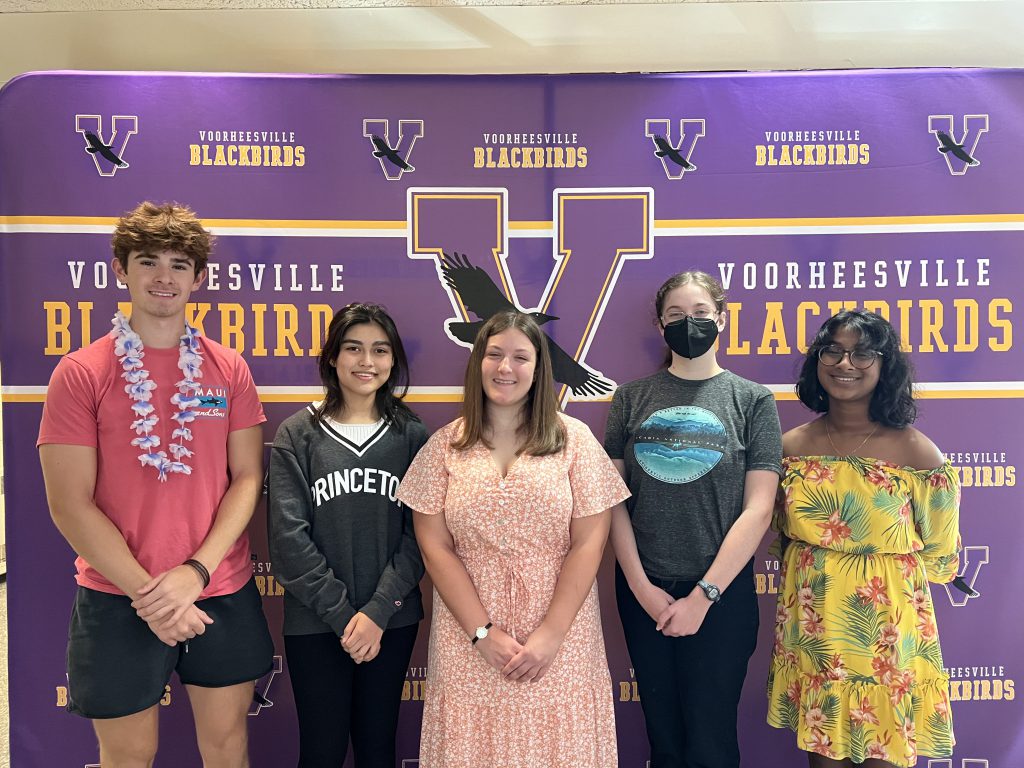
140 388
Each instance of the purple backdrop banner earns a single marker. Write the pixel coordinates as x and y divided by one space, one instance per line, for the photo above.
578 195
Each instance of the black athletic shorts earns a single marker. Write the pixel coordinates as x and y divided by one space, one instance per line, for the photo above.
117 666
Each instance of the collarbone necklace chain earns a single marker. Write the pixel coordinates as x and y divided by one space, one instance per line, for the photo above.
863 442
140 388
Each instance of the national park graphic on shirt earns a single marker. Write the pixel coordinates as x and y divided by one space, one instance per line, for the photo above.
680 444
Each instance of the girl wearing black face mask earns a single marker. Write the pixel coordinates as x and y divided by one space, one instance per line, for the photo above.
700 449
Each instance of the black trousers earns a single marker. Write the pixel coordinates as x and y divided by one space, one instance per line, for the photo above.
336 698
690 686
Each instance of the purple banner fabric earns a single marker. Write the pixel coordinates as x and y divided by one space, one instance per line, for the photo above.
578 195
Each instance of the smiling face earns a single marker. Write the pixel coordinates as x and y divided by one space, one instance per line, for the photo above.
507 368
842 381
159 283
364 361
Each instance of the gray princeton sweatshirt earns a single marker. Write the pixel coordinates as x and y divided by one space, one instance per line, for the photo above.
340 541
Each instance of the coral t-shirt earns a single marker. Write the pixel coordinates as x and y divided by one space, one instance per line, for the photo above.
163 523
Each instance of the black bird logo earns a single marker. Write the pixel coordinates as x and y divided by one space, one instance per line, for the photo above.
96 145
964 587
383 149
957 150
484 299
665 149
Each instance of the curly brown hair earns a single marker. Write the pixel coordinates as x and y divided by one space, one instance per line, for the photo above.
152 228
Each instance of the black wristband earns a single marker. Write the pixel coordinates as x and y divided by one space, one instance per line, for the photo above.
200 569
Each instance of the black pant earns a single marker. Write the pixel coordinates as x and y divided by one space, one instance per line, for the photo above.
690 686
334 697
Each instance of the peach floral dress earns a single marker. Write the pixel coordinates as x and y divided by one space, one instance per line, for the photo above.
512 534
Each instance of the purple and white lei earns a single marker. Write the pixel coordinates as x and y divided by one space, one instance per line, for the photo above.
140 388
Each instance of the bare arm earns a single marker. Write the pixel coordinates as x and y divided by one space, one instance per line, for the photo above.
171 593
743 538
685 616
245 464
653 599
452 582
575 580
69 472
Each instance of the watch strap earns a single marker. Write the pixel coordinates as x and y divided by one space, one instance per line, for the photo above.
485 627
711 592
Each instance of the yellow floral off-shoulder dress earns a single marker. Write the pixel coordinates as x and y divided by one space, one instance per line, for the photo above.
856 667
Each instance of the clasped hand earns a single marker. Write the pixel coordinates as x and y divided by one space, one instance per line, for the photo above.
684 616
361 639
167 604
522 663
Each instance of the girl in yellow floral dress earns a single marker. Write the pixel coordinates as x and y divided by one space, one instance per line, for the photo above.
869 511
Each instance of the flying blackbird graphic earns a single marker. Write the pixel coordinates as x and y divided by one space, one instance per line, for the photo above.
484 299
948 145
964 587
96 145
665 149
385 150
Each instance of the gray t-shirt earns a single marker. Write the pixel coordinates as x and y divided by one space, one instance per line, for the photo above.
687 446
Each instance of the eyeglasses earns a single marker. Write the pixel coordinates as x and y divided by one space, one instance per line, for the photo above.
675 315
859 358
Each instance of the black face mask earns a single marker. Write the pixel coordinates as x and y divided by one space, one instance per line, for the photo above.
691 337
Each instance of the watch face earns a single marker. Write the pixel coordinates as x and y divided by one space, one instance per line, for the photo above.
481 633
711 591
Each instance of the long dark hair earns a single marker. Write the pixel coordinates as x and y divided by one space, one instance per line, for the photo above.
892 402
388 398
544 431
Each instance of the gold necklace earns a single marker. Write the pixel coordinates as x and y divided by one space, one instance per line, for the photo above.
862 444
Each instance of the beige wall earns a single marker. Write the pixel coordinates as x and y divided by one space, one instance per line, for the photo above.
469 36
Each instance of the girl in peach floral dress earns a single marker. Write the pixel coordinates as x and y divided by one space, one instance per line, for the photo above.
871 512
511 512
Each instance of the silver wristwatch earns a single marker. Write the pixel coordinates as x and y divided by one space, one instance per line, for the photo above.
711 592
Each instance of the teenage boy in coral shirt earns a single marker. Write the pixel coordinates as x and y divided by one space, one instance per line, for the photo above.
151 449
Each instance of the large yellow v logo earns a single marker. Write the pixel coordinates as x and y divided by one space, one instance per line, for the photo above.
594 233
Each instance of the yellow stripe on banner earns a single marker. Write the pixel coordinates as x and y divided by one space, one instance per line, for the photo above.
299 397
93 221
451 398
847 221
971 394
392 225
90 221
302 224
531 224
